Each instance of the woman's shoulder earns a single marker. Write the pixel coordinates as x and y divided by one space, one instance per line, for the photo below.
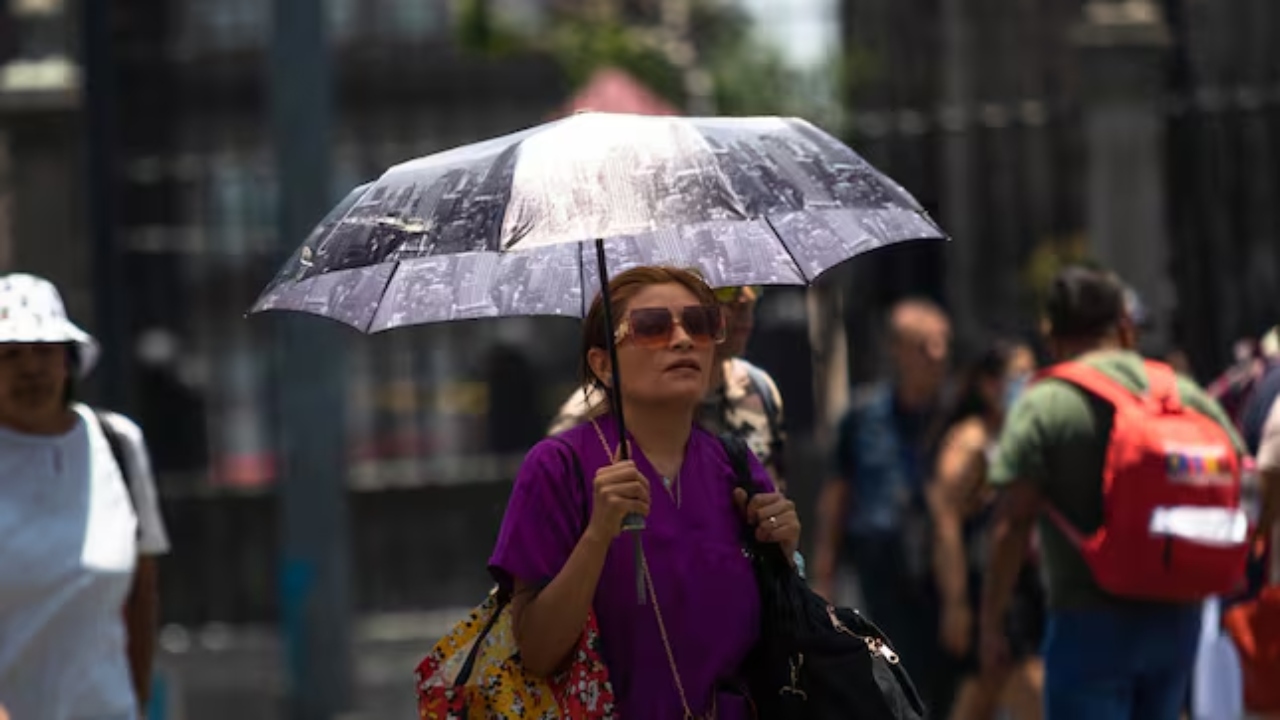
715 454
122 425
708 444
568 450
118 424
576 439
969 433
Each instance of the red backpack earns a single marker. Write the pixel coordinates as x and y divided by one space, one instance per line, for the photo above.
1173 529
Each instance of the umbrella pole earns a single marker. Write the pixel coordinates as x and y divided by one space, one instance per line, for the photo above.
632 523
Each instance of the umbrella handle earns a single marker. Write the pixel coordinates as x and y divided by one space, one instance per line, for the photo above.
632 523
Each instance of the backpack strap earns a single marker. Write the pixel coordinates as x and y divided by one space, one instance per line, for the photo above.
737 450
116 442
1071 532
1162 384
770 554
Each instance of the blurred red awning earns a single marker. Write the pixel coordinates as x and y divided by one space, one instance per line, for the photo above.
616 91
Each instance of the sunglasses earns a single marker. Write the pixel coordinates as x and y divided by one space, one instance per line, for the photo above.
653 327
735 293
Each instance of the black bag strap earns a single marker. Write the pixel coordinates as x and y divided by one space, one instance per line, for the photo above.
738 453
739 458
116 442
469 665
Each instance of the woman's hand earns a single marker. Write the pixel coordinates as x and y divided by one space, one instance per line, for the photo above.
774 518
620 489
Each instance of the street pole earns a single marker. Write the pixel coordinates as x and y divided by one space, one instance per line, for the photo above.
1123 49
957 171
310 386
99 68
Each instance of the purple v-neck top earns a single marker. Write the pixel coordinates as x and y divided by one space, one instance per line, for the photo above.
703 579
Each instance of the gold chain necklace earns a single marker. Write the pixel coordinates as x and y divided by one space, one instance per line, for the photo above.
674 489
671 656
657 612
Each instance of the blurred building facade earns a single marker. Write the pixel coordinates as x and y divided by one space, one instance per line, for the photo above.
191 240
1008 119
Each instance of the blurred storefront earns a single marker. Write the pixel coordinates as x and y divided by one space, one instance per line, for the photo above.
190 195
199 235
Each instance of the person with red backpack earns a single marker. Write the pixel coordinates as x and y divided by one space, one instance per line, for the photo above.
1134 476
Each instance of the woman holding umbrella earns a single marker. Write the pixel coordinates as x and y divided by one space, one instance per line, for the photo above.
678 654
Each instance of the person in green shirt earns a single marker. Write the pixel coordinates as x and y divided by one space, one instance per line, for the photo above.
1106 658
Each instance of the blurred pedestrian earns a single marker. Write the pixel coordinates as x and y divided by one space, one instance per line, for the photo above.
562 552
960 501
1253 617
1107 656
1259 428
80 522
1234 388
873 519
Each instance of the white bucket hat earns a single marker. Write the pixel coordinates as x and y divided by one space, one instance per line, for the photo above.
31 311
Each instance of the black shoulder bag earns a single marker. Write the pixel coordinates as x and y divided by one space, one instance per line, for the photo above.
815 661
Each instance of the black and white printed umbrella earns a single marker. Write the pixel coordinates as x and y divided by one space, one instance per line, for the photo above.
494 229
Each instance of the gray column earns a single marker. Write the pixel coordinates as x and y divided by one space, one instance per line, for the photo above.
1123 47
310 385
46 225
956 214
830 352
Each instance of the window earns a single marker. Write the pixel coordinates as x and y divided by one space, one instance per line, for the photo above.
220 25
409 19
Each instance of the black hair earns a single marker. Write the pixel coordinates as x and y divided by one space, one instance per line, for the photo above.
990 365
70 391
1084 302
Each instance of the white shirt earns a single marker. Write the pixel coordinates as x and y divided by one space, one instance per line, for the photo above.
70 541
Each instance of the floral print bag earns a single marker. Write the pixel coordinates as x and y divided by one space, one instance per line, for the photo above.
474 673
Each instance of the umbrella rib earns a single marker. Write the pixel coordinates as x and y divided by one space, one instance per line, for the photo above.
582 284
381 296
794 260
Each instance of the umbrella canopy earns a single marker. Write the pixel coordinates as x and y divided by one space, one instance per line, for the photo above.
494 229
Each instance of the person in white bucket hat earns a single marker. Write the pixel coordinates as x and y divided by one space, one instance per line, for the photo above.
80 523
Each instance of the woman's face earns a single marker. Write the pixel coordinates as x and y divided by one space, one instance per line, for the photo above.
33 382
663 367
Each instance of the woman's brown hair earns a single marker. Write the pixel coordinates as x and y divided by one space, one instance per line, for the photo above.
622 288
